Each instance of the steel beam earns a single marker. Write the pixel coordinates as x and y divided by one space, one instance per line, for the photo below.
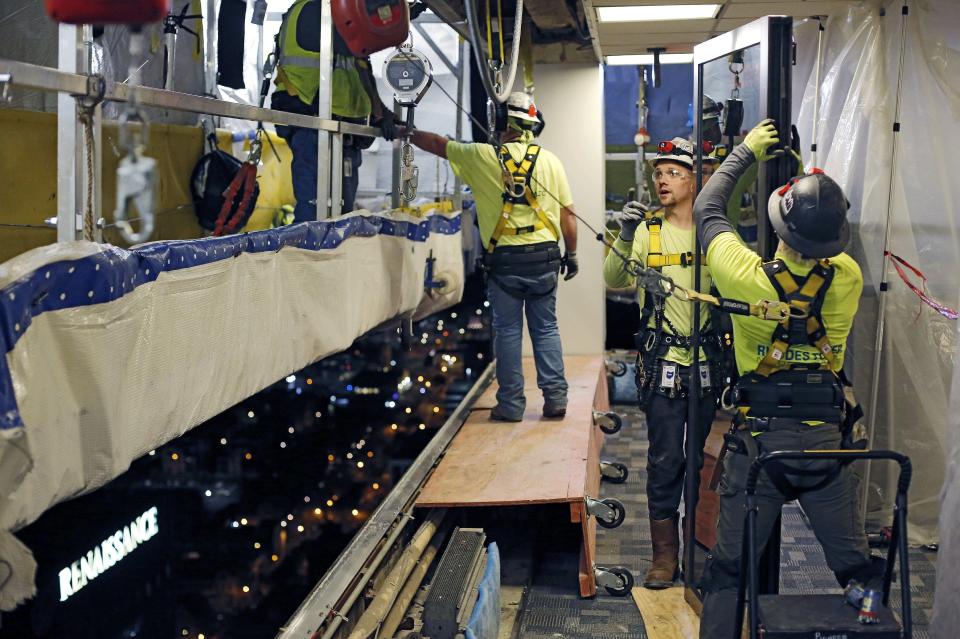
433 46
591 15
462 54
448 14
323 142
69 137
42 78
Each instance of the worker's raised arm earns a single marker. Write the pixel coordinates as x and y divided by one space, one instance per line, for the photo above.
427 141
710 208
615 275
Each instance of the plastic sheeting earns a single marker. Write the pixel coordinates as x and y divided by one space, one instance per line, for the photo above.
111 353
484 621
855 141
946 613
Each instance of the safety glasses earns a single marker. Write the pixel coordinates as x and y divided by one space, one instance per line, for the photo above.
669 175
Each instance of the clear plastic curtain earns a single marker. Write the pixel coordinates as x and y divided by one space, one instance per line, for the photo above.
857 100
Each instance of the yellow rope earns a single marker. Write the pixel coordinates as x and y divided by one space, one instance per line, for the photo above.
500 26
489 32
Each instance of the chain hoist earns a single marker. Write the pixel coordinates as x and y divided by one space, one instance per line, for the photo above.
409 74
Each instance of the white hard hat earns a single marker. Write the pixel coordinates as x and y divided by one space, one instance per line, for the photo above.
676 150
520 106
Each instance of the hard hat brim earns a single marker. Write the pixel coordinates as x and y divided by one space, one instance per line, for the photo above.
679 159
806 247
521 116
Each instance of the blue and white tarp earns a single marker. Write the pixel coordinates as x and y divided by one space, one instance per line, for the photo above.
110 353
484 621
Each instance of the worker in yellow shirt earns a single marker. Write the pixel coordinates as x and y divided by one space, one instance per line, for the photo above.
789 396
524 206
664 240
353 98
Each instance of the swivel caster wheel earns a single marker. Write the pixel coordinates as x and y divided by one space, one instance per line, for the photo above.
616 368
616 580
609 423
614 472
610 513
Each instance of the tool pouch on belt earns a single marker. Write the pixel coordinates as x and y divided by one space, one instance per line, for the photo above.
799 394
650 350
522 260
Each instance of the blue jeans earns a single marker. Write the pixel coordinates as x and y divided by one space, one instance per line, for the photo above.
527 292
303 144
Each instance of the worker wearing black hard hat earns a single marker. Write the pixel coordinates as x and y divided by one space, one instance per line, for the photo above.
789 395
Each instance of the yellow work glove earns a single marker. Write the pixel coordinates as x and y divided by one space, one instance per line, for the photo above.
761 138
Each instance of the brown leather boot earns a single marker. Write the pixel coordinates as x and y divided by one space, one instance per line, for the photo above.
666 548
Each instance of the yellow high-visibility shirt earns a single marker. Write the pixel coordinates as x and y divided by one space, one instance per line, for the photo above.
478 166
679 313
738 274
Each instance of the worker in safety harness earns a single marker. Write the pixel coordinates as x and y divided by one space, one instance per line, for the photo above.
789 396
353 99
664 240
524 206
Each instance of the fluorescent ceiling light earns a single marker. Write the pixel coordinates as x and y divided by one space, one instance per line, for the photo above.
647 58
651 13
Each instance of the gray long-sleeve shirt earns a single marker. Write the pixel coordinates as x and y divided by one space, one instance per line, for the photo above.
710 209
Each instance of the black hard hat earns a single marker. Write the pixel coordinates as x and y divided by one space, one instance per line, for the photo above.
711 108
810 215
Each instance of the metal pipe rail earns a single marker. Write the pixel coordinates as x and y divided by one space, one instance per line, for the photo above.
34 76
347 576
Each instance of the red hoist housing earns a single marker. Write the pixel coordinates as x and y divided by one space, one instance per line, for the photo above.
368 26
107 11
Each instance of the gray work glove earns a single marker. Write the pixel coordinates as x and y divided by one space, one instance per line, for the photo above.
569 265
632 215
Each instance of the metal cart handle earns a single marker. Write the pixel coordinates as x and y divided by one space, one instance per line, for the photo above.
898 543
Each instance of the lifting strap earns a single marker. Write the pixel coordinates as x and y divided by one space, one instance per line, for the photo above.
807 294
516 190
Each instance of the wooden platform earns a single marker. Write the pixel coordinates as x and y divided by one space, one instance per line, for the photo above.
665 613
536 461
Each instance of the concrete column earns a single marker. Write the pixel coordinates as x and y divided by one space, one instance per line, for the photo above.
571 98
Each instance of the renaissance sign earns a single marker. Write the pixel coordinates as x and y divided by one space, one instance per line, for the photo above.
108 553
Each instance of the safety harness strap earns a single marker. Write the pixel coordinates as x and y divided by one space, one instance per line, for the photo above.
516 178
807 296
655 257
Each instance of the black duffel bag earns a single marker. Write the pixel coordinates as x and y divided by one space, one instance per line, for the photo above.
210 178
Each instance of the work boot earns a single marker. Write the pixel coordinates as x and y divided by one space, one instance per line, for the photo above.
666 549
497 415
554 411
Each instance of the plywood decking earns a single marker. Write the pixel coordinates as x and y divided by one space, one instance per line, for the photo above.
666 615
535 461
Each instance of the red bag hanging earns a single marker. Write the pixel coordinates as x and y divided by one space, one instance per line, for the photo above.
107 11
368 26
